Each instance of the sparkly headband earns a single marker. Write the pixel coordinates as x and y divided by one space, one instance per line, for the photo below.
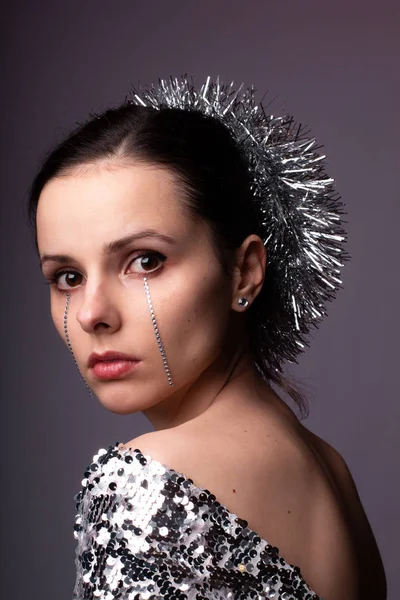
298 209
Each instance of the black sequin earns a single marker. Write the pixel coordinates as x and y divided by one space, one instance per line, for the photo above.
146 532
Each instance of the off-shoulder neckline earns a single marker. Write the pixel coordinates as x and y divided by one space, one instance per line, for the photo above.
128 450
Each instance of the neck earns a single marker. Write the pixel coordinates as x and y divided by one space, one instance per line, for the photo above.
194 399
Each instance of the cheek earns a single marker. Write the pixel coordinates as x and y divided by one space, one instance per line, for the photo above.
57 310
193 322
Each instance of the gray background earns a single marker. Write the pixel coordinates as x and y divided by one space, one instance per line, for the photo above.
333 65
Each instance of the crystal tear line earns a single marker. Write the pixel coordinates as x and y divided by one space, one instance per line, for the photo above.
156 331
69 343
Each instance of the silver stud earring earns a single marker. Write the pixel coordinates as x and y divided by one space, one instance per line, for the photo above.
69 343
156 331
242 301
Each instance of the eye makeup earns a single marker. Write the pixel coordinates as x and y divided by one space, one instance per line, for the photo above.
53 279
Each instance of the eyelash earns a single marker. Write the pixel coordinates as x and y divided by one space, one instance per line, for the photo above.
53 279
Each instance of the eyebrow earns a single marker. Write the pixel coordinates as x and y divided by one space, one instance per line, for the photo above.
111 247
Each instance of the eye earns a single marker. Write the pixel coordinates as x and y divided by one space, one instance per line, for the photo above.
147 261
54 279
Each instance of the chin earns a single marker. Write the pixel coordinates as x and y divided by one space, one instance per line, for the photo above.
122 410
126 401
119 404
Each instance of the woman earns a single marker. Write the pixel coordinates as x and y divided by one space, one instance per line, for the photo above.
190 241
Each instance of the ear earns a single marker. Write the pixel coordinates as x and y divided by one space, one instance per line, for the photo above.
249 270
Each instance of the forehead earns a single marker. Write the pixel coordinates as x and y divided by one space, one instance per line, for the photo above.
102 202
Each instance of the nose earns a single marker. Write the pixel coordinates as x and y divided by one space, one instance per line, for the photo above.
97 309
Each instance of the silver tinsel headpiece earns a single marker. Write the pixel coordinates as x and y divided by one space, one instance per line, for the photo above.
297 206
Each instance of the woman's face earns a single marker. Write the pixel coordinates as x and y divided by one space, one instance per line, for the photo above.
81 214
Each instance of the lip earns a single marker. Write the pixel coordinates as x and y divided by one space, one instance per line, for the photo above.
114 369
108 356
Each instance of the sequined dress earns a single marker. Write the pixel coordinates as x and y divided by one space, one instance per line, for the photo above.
144 531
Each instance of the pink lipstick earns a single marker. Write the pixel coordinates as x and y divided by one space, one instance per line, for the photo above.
114 369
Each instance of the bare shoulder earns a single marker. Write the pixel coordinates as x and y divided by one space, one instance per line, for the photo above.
170 448
160 445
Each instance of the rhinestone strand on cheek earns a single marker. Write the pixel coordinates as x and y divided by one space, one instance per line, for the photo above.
153 319
69 343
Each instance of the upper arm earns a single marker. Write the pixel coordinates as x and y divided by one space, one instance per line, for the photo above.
368 551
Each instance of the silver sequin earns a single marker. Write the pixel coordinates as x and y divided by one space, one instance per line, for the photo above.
145 531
